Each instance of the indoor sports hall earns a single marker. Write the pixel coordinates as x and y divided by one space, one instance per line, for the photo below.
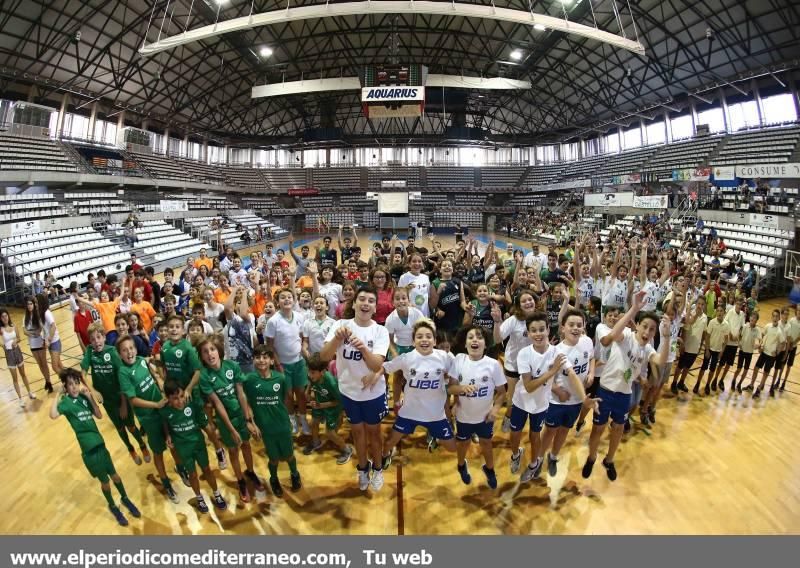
449 176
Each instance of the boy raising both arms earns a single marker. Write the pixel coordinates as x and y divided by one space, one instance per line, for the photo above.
629 352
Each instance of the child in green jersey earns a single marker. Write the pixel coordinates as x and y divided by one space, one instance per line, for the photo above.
267 393
326 406
183 366
142 385
77 404
183 427
221 383
104 363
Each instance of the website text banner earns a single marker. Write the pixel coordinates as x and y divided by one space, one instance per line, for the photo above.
787 170
394 552
608 199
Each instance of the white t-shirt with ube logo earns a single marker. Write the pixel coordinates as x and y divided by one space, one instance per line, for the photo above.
350 365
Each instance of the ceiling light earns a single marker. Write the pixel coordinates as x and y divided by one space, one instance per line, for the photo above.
265 51
516 55
540 27
221 2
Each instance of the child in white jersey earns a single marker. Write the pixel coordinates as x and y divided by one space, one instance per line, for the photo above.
284 334
602 348
422 400
418 284
360 347
567 394
537 364
629 352
480 392
515 331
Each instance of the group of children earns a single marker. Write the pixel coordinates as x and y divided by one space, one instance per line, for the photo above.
452 336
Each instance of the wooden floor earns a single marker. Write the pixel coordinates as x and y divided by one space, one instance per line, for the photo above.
717 465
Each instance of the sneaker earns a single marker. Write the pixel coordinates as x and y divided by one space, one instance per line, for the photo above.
376 482
304 427
579 425
627 426
682 387
255 480
749 387
707 390
123 522
275 485
714 385
772 392
722 386
491 477
32 396
201 505
145 455
131 507
312 447
463 471
530 471
297 483
387 459
135 457
674 388
783 385
696 389
432 443
48 386
222 459
363 478
293 421
552 465
515 460
244 494
757 394
644 419
586 472
506 425
345 456
739 388
22 403
611 471
171 495
651 414
184 475
219 502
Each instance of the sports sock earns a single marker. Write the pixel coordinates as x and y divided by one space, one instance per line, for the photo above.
121 488
293 466
137 434
166 483
123 434
273 469
109 498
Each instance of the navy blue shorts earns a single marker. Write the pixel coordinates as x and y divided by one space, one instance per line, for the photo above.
369 411
439 429
483 430
562 415
519 417
614 405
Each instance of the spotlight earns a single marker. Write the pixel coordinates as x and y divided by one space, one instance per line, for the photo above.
516 55
265 51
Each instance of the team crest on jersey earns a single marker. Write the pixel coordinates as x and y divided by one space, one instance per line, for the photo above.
144 363
187 411
178 353
585 355
439 371
576 360
107 357
83 400
370 344
413 372
276 387
484 379
229 374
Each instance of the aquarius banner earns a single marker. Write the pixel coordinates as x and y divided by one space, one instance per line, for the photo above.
25 228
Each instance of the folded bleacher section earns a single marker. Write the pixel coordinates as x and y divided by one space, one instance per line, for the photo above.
687 154
24 207
40 154
763 146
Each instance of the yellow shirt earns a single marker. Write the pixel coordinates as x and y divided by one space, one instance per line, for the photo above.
773 336
717 332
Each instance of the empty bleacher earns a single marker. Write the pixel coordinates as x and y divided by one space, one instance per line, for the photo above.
336 178
629 161
95 203
409 174
680 156
540 175
285 179
762 146
23 207
449 176
160 167
317 202
428 200
244 177
476 201
501 175
202 172
41 154
584 168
